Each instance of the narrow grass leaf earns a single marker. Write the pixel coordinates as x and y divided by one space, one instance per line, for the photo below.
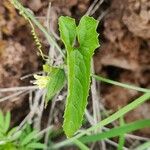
81 145
12 131
36 145
120 84
7 121
122 136
127 128
1 136
144 146
16 136
28 138
2 120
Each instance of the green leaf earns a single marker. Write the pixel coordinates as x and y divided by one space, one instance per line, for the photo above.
121 112
81 145
121 137
36 146
144 146
16 136
117 131
87 35
8 146
12 131
2 121
78 65
53 82
7 121
56 83
28 138
67 28
1 136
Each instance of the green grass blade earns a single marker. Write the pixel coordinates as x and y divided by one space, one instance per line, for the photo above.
7 121
81 145
36 145
108 120
120 84
144 146
127 128
122 111
121 142
121 137
2 120
28 138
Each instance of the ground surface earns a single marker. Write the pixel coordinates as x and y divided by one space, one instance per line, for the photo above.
124 54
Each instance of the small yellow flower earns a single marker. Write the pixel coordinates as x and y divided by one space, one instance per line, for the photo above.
41 81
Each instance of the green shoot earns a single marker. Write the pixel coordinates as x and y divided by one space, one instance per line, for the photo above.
117 131
81 145
122 136
78 65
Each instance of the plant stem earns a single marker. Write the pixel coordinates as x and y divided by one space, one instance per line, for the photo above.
50 39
